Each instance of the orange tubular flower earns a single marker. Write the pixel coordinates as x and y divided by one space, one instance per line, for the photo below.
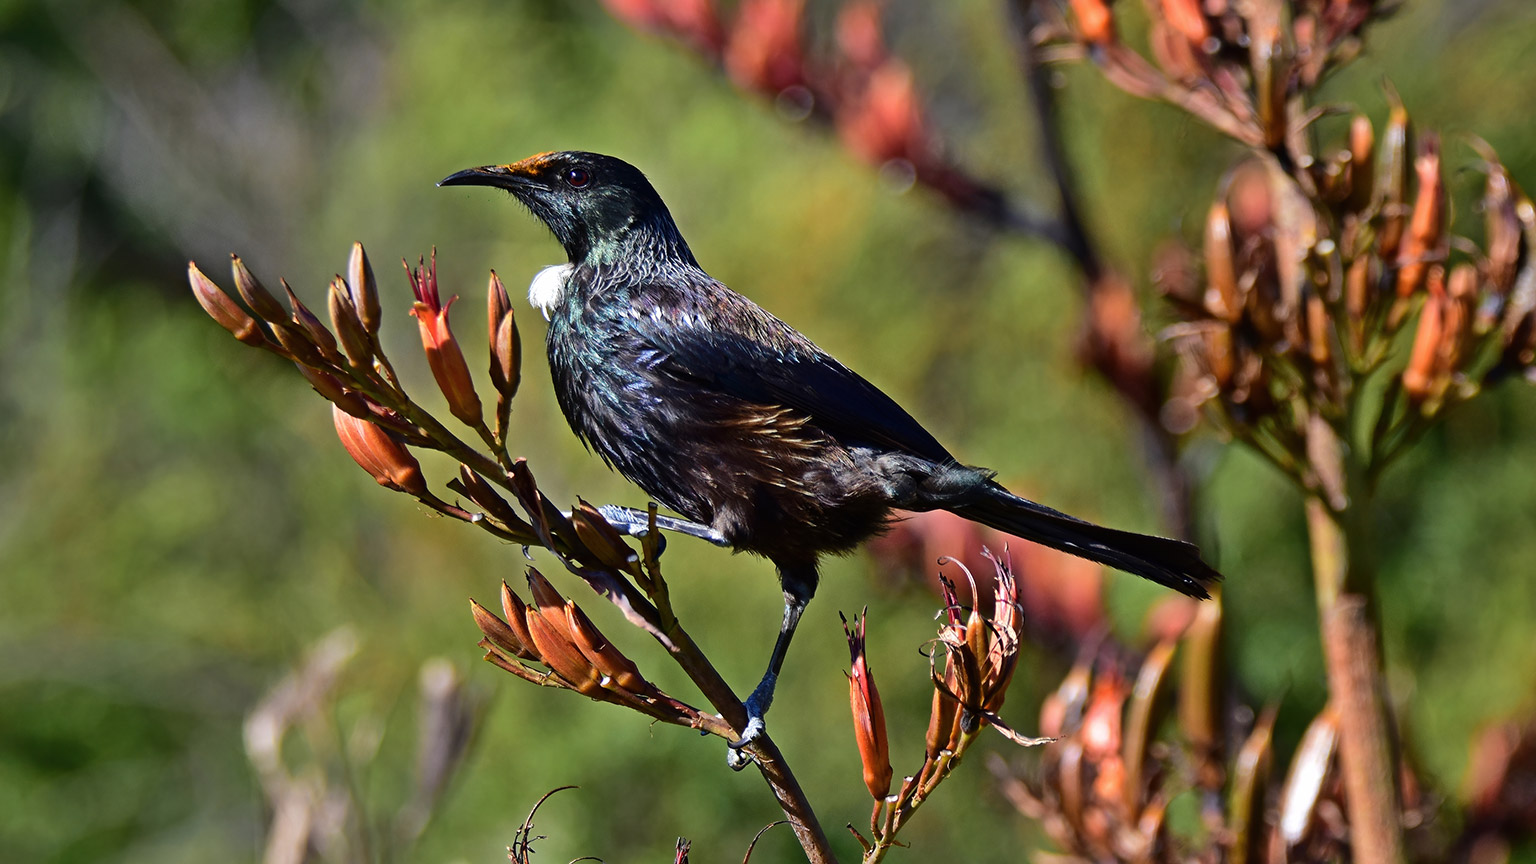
868 714
443 354
379 454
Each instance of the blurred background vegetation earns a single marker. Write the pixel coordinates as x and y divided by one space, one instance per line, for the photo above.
178 524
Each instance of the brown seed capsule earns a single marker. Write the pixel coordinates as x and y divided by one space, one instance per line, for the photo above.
488 499
1271 82
223 309
363 289
379 454
554 645
255 294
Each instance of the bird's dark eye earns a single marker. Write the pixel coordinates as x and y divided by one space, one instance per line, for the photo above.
576 178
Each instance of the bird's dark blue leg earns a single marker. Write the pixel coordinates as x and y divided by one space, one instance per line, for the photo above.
635 523
799 585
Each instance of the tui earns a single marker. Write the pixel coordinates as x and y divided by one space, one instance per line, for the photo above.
729 416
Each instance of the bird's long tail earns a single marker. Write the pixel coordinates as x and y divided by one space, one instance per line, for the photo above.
1173 563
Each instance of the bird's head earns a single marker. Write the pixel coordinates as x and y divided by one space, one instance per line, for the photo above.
595 205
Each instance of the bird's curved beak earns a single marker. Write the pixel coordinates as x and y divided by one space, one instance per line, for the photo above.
501 176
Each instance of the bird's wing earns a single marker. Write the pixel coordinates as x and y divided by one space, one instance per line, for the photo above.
731 345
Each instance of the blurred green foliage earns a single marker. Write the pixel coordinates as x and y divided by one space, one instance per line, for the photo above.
177 524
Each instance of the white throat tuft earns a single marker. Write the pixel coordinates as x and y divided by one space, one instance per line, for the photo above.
548 287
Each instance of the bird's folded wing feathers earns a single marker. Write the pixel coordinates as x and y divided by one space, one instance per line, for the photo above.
739 350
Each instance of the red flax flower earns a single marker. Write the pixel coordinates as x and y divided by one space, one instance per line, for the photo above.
443 353
868 715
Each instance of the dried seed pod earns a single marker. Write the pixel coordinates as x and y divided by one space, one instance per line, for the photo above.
475 487
1250 775
1271 66
364 289
223 309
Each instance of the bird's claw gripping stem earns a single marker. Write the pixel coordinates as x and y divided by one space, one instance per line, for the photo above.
636 523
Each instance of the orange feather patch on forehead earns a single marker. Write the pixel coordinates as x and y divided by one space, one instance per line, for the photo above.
532 165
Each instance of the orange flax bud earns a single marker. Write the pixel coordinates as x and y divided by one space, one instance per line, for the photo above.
443 354
1504 228
1394 171
349 328
1362 163
550 630
328 386
1428 222
763 51
600 538
517 618
885 121
1418 374
1461 288
310 324
1221 297
944 718
488 499
868 714
1319 335
1095 23
255 294
506 344
363 289
501 635
602 654
224 310
379 454
1185 17
859 39
1271 81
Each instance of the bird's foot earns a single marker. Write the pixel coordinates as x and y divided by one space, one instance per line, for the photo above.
636 523
757 709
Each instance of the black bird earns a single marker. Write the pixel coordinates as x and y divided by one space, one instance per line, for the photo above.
732 418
